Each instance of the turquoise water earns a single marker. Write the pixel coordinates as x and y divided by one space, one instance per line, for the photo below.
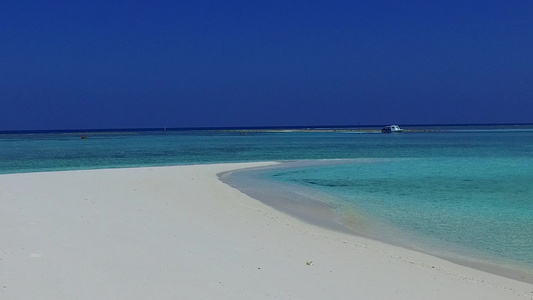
65 151
478 208
464 192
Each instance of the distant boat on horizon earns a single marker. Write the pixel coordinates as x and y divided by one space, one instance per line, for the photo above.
391 129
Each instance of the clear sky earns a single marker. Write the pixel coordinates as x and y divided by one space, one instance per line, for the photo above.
134 64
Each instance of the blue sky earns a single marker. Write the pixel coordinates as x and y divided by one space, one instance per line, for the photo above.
138 64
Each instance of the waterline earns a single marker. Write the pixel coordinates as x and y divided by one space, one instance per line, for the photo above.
475 232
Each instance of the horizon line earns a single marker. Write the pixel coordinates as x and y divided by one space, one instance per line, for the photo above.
207 128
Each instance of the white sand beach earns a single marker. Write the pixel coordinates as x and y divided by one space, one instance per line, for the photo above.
180 233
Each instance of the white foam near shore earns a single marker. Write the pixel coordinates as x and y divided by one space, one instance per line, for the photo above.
180 233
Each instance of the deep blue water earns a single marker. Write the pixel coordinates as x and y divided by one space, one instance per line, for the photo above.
465 191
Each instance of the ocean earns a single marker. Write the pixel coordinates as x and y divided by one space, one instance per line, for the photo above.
464 193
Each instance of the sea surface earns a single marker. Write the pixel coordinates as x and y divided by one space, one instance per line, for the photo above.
464 193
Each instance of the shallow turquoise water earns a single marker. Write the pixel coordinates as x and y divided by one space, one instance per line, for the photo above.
466 191
478 208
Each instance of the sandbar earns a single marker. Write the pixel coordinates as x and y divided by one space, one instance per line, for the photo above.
179 232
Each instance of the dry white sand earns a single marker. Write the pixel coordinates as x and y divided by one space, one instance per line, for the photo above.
180 233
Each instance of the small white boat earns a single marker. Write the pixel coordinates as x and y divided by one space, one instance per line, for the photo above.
391 128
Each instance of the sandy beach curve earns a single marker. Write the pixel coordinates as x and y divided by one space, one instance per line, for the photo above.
180 233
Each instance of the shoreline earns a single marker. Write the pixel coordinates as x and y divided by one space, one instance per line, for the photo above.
178 231
318 212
